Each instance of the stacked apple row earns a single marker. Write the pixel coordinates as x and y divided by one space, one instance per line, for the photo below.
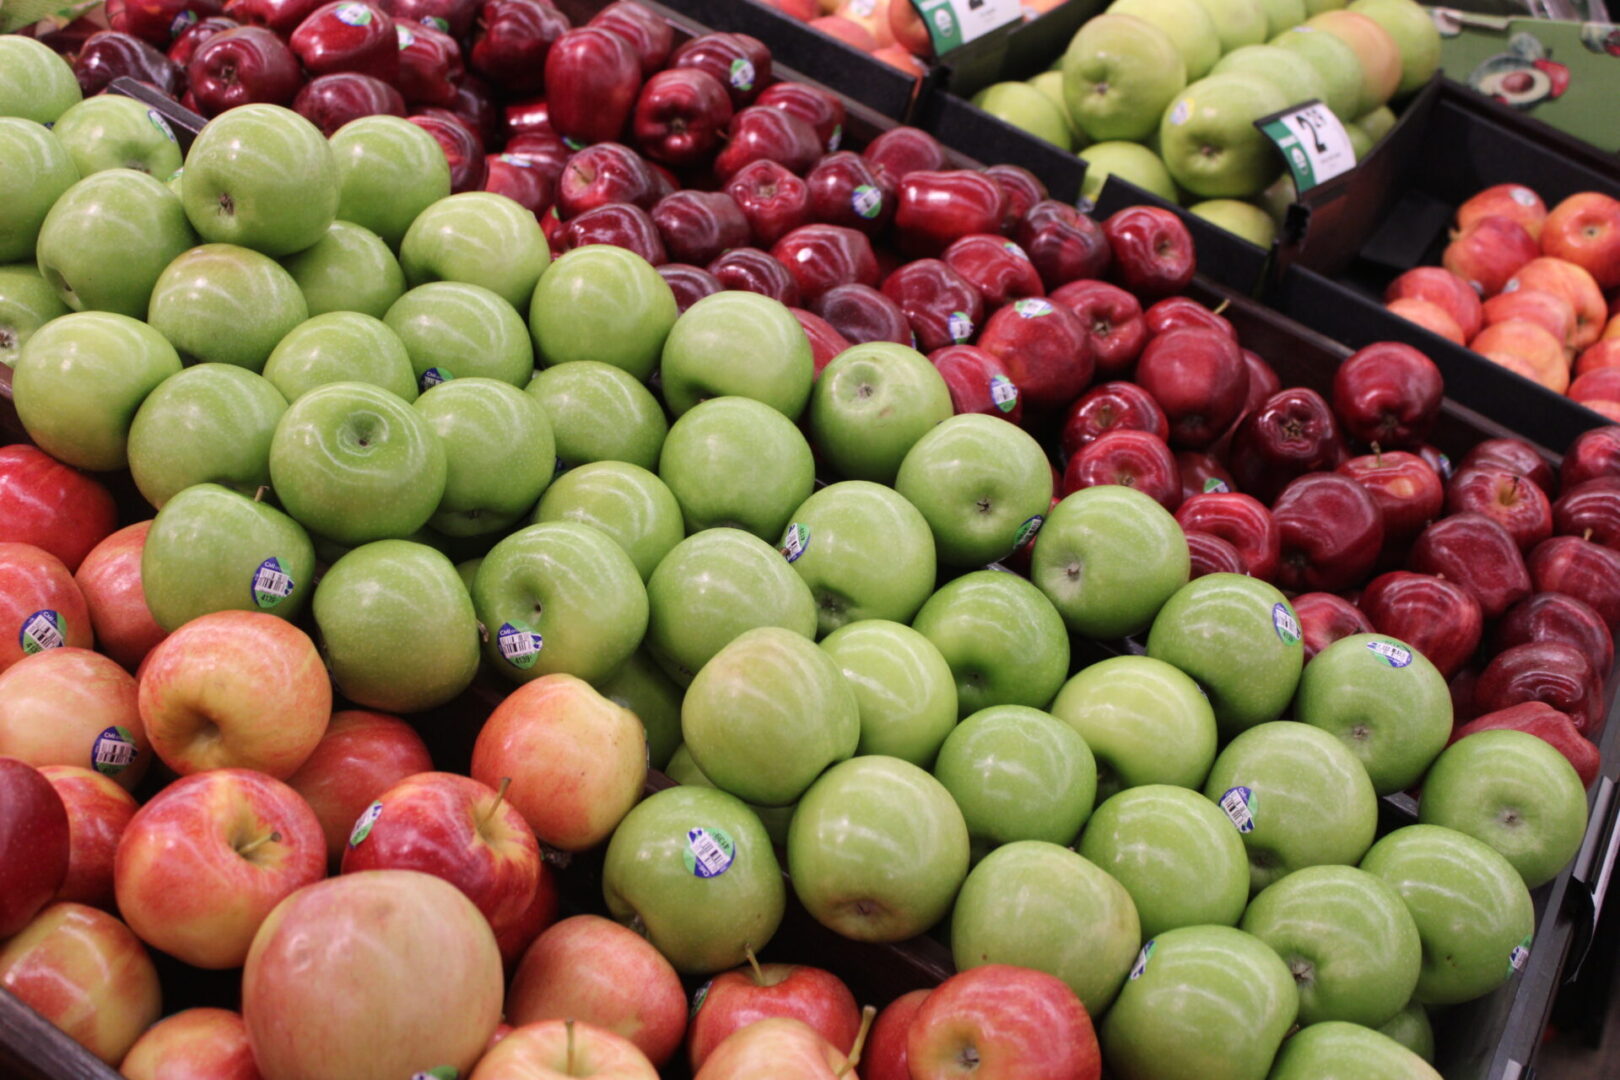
890 30
1549 282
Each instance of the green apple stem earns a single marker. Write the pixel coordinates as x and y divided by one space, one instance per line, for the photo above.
854 1059
263 490
253 845
568 1059
500 797
753 964
483 633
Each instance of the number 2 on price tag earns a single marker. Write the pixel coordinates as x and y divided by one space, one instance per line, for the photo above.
1312 141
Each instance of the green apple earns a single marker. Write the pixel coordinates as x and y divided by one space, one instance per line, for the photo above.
340 346
1282 15
348 269
354 463
1132 163
207 424
865 552
1316 7
1027 109
481 238
467 570
1186 23
1384 699
1360 142
452 329
1415 34
1147 722
1238 22
107 239
1018 774
870 406
498 452
1239 218
389 170
767 714
262 177
1348 939
35 83
1108 557
1209 141
1174 852
396 627
903 688
776 819
692 869
79 381
604 304
1514 792
1297 795
1050 83
713 586
1335 62
737 462
212 549
111 131
1004 641
1377 123
877 849
559 597
600 412
220 303
1277 198
1344 1051
982 485
1201 1003
35 170
27 302
738 343
641 686
1239 639
1039 905
1411 1028
1287 69
634 508
1119 73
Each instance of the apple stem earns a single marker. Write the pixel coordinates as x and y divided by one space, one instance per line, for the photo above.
263 490
1587 535
483 633
1223 305
1378 456
500 796
854 1057
753 962
568 1060
249 848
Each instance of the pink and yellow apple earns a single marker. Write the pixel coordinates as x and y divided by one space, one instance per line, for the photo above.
193 1044
74 707
362 755
110 579
98 811
557 1049
41 608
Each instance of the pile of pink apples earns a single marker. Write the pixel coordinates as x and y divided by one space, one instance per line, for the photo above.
1532 290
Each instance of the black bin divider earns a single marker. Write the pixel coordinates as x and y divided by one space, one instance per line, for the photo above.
1015 53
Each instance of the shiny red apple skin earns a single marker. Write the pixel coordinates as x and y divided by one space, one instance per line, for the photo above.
592 79
1064 244
1436 616
545 150
1331 532
1594 453
935 208
697 226
884 1056
979 382
1551 672
1046 350
454 17
184 46
822 256
1388 394
512 41
1408 492
1198 378
462 147
1152 251
1325 618
193 1044
107 55
1585 229
1477 553
526 117
816 107
520 180
33 580
362 755
942 306
278 16
430 65
621 225
1581 568
330 101
730 58
1546 723
1017 1021
1444 289
681 117
1137 459
1549 616
601 174
774 200
34 844
1024 189
1291 434
1212 555
1488 252
997 267
825 340
901 151
689 283
760 133
158 22
475 104
1514 455
348 35
1590 509
246 66
1242 521
1178 312
1202 474
1518 505
1113 318
753 270
650 36
738 998
98 811
846 190
52 506
1263 381
1108 407
860 314
536 918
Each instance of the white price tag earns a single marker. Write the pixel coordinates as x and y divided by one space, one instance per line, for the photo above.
1312 141
953 23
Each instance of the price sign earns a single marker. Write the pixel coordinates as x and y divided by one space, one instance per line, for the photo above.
953 23
1312 141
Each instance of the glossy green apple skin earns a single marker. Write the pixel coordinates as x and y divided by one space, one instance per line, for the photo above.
877 849
1239 22
1003 640
776 819
1239 640
397 627
389 171
1131 162
1210 1003
1282 15
1042 906
35 83
455 330
1514 792
1018 774
1311 801
1418 40
1471 908
1288 70
79 381
1118 75
1239 218
736 462
108 238
1384 699
219 303
480 238
981 484
713 586
27 302
701 924
1174 852
603 304
208 551
865 552
1334 61
1028 108
569 584
1208 139
35 170
1348 939
1411 1028
348 269
340 346
262 177
634 508
110 131
1108 558
871 405
1146 722
738 343
903 688
354 463
641 686
498 452
208 424
768 714
1337 1050
601 413
1186 23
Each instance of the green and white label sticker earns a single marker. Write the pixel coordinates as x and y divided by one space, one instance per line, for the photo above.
406 38
519 645
1519 957
40 631
742 74
434 22
709 852
836 139
161 124
1003 393
1032 307
1312 141
1238 804
1214 485
1389 652
113 751
433 376
1286 625
353 14
1026 531
271 584
181 23
795 542
698 999
953 23
960 326
1139 968
1015 251
362 824
438 1072
867 201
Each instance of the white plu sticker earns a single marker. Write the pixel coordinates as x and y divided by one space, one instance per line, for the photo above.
433 376
1139 968
1519 957
709 852
1003 393
1523 196
1033 307
406 38
959 326
867 201
1284 622
353 14
1015 251
271 584
1238 804
795 542
519 645
40 631
113 751
1182 112
362 825
742 74
1389 652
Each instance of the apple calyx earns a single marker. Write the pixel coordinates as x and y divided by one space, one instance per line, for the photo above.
1303 970
854 1057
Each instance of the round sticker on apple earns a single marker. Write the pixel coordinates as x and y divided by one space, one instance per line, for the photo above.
1181 112
959 326
795 541
1027 531
271 584
1215 485
433 376
517 162
1390 653
709 852
1522 195
1139 968
519 645
181 23
1015 251
353 14
1519 957
1238 804
362 824
867 201
1003 393
438 1072
157 118
1282 618
406 38
434 21
113 751
742 74
1033 307
42 630
836 139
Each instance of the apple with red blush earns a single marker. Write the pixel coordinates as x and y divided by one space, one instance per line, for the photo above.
760 133
1012 1021
741 63
648 35
592 77
1477 553
520 180
620 224
1408 492
1590 509
815 106
1113 320
846 190
279 16
1211 555
34 844
110 580
860 314
681 117
462 146
330 101
1198 378
772 199
1183 312
1550 672
942 306
430 67
1518 505
1445 290
935 208
108 55
1292 433
901 151
1202 474
1388 395
1045 349
1548 616
515 940
697 226
1594 453
752 270
1435 615
1488 251
362 755
245 66
978 382
734 999
1108 407
1137 459
350 35
1331 532
884 1057
1546 723
1064 244
822 256
997 267
511 43
52 506
1153 252
1514 455
603 173
1242 521
1326 617
184 46
1579 567
98 810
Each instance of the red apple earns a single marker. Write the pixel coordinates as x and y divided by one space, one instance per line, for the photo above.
901 151
330 101
1505 200
185 43
1516 503
554 1049
734 999
774 201
1546 723
979 382
1331 532
35 843
462 147
1605 353
820 109
885 1054
936 208
1109 407
280 16
108 54
41 606
1547 616
1594 453
1291 434
760 133
1325 618
601 174
1136 459
1388 395
620 224
110 580
1408 492
1573 283
942 306
1113 319
1585 229
205 1043
361 755
475 103
92 705
1064 244
737 60
1548 310
511 43
1016 1023
997 267
430 66
1263 381
1430 316
1578 567
860 314
1152 250
1551 672
1488 252
1212 555
51 506
1436 616
822 256
848 31
825 340
592 79
1514 455
1181 312
845 189
1477 553
649 35
681 116
348 35
1590 509
752 270
98 810
1527 348
697 226
545 150
1202 474
1444 289
158 22
1599 390
540 914
1242 521
1046 350
520 180
1198 377
246 66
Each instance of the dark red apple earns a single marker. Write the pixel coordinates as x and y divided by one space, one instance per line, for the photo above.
681 117
650 37
1406 490
604 173
1113 320
1594 453
1137 459
1177 312
349 35
815 106
937 208
1024 189
1203 474
997 267
1064 244
520 180
1045 348
1514 455
1324 618
159 22
246 66
1331 532
941 305
1109 407
461 145
1211 555
278 16
978 382
1547 616
774 201
825 340
901 151
184 46
453 17
1263 381
696 226
753 270
689 283
731 58
1543 721
1198 378
1152 251
1388 395
760 133
592 78
860 314
476 105
430 66
545 150
1292 434
330 101
527 117
1435 615
33 844
821 256
512 41
624 225
1578 567
1550 672
1590 509
51 506
1240 520
846 190
1517 504
1478 554
109 54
